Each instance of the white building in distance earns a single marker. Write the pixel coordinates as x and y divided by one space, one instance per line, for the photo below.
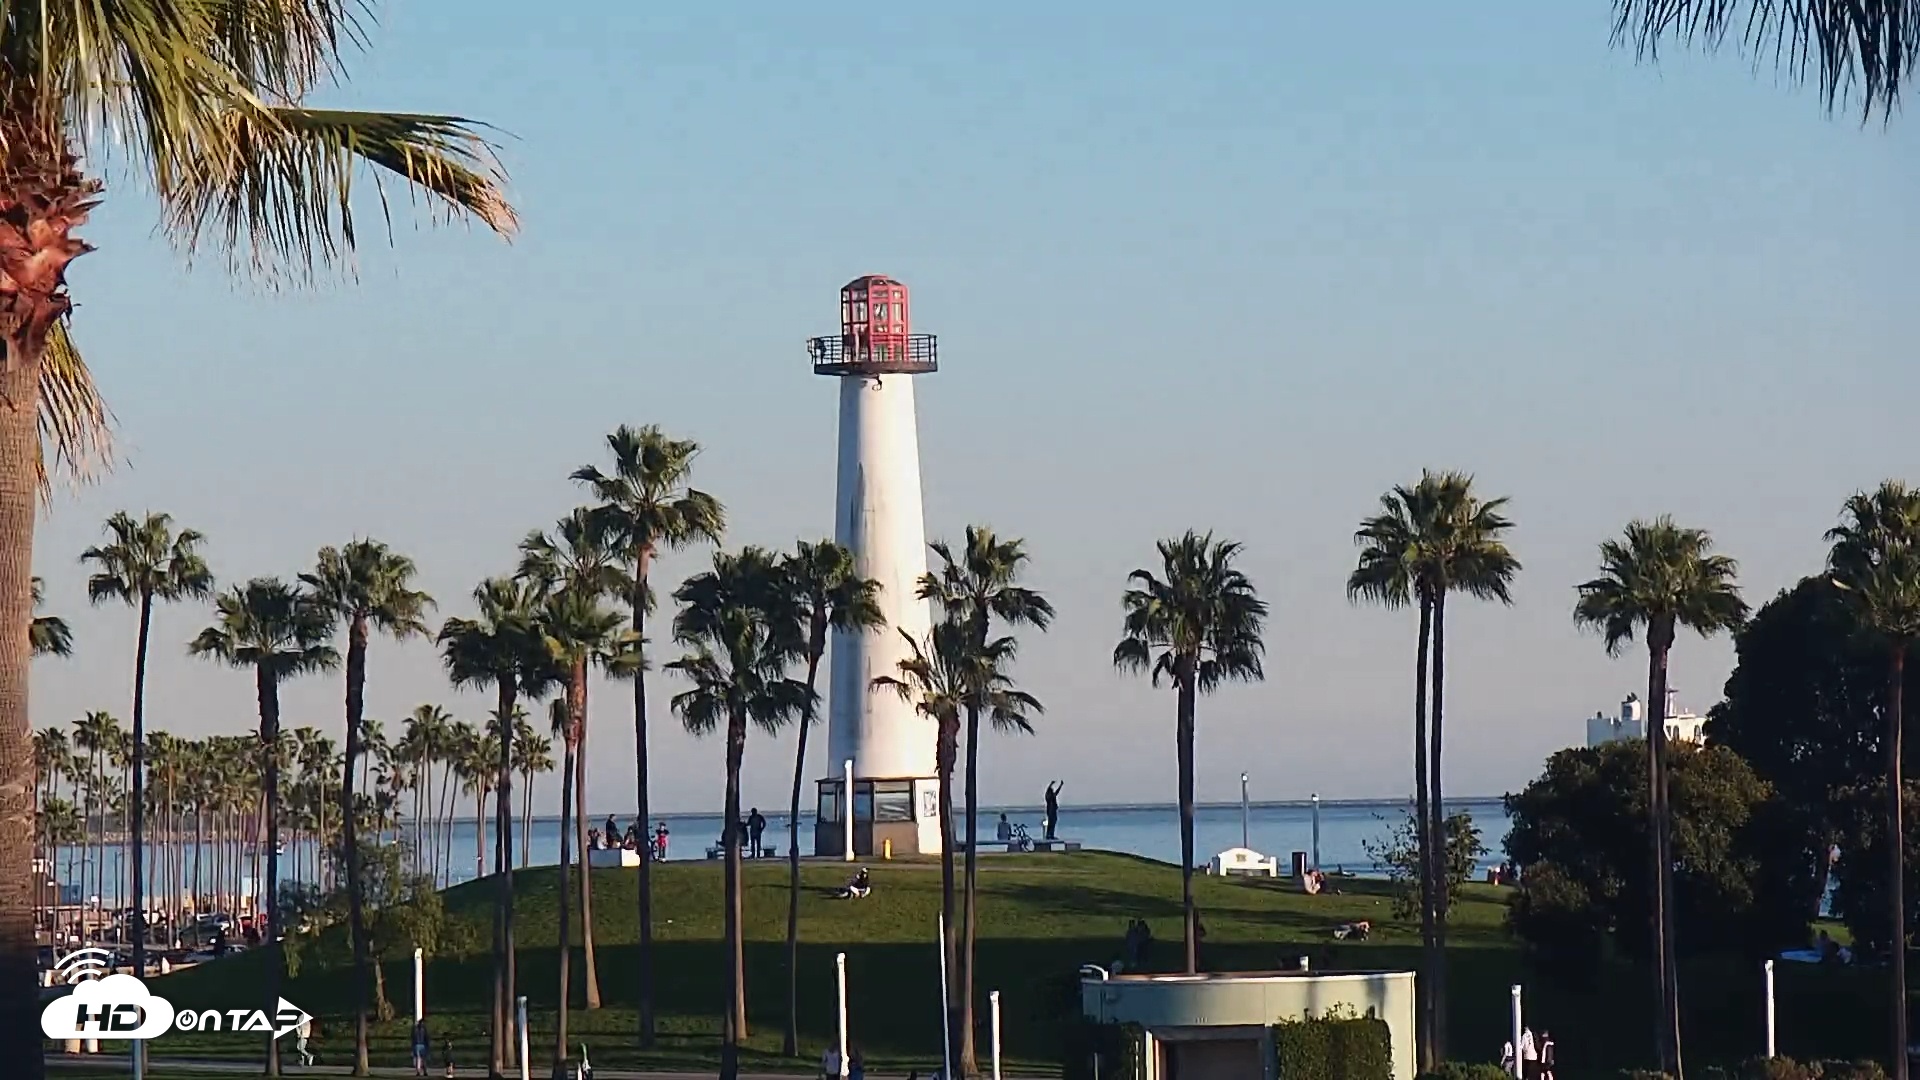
1683 725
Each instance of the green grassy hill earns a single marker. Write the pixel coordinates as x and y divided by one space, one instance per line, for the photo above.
1041 917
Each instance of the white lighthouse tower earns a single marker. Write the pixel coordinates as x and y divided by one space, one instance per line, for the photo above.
877 516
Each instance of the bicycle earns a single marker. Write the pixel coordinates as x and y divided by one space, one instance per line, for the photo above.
1021 840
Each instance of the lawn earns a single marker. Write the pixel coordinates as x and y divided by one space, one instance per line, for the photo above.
1041 917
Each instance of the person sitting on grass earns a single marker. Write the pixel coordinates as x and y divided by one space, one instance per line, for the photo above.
858 888
1353 931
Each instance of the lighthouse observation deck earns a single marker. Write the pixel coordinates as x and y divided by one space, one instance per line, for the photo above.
843 354
876 336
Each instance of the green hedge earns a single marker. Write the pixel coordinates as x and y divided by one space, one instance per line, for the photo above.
1119 1048
1334 1048
1460 1070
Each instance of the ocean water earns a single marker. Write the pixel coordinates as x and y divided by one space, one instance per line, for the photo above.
1151 831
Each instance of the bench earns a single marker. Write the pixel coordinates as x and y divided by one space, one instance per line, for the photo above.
1246 861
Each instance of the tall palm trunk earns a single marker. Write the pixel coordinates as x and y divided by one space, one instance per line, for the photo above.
349 838
949 940
566 904
643 973
1667 1032
1897 836
526 819
969 893
503 973
1436 849
790 1043
1423 833
591 970
137 796
1183 735
736 1021
268 689
49 193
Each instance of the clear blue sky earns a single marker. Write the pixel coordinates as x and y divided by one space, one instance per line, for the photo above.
1231 265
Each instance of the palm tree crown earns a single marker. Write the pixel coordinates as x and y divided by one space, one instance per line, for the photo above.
979 585
737 623
1655 578
645 502
366 581
266 624
1430 538
147 560
947 673
1875 560
1201 610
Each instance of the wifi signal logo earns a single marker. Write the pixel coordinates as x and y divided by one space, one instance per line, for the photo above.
84 965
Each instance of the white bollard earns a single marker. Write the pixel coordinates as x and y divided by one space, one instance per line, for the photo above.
1519 1028
522 1008
419 986
946 1031
993 1006
1772 1047
840 980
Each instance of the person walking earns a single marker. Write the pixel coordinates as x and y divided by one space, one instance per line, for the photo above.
300 1036
420 1045
1053 806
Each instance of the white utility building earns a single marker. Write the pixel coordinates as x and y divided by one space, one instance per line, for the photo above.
1683 725
877 516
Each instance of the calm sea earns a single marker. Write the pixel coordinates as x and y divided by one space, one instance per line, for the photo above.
1152 831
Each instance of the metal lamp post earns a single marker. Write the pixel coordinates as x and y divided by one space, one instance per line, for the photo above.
1316 830
1244 831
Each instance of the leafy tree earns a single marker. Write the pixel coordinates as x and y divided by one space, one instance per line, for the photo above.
824 592
1579 838
369 587
648 505
1198 624
737 626
1869 45
208 104
1429 540
1875 563
1405 861
974 589
1803 706
143 561
280 632
1654 579
402 912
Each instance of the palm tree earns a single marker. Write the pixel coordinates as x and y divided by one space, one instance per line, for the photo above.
973 590
738 627
1872 45
948 677
281 632
577 631
1198 624
369 587
1430 539
1875 561
579 557
532 755
502 648
1656 578
48 635
97 733
209 103
825 592
648 507
143 561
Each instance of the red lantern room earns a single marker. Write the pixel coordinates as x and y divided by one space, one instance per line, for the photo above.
876 336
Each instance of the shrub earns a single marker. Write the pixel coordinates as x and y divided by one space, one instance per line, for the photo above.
1334 1047
1776 1068
1460 1070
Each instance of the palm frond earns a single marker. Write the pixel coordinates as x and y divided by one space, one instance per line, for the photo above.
275 189
76 427
1869 45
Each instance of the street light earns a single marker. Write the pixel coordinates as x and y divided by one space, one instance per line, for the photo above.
1243 811
1316 830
